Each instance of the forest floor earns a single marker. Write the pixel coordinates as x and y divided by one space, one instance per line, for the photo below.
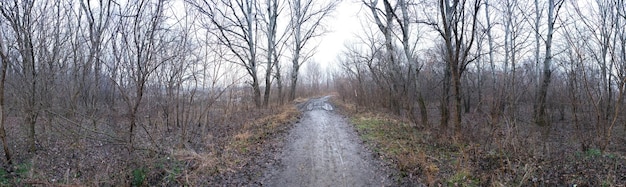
234 150
316 142
481 156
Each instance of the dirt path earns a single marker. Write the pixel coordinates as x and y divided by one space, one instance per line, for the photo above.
323 150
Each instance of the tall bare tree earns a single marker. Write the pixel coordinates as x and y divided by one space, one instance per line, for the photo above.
414 66
458 30
515 39
542 91
306 24
273 55
19 16
279 49
236 25
386 26
97 18
3 74
140 39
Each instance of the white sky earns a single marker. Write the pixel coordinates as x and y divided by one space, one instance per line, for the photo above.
343 26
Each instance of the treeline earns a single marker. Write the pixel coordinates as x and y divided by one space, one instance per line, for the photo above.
513 63
126 73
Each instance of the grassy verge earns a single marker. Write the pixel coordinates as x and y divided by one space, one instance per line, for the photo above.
239 150
257 132
424 157
415 154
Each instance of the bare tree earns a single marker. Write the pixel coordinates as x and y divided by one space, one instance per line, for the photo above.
275 41
272 17
515 39
3 74
542 91
98 18
358 60
393 64
620 37
137 51
458 30
414 66
237 25
278 73
496 104
599 38
180 77
19 16
306 24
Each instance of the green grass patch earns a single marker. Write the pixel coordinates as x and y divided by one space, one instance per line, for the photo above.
139 176
593 153
394 140
436 161
413 152
5 179
21 171
462 178
172 168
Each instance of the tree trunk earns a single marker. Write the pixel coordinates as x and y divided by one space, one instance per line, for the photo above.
445 100
279 85
3 71
30 120
409 56
31 103
423 109
279 80
131 132
456 92
268 86
540 107
295 66
491 50
272 8
294 79
257 91
537 43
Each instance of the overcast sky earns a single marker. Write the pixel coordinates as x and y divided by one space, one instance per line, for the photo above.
343 25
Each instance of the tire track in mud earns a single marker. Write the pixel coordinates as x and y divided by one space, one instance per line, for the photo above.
323 150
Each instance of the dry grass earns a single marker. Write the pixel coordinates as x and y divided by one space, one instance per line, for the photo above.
300 100
238 149
255 133
511 157
210 157
416 154
285 114
206 163
409 150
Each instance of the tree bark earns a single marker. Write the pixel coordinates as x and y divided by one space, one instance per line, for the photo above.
540 107
272 15
3 71
445 100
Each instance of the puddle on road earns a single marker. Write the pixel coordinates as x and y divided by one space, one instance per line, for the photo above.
319 105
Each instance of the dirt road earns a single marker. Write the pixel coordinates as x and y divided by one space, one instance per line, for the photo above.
323 150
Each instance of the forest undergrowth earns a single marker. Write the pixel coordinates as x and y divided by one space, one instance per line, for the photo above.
226 152
485 155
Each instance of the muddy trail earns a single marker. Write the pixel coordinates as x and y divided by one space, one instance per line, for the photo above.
323 150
